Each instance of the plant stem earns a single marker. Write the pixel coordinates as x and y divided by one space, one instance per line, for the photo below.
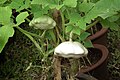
30 37
32 34
89 26
63 23
61 38
57 68
71 34
43 34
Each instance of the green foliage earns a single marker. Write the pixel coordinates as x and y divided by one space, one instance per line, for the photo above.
20 5
5 32
2 1
20 18
85 6
5 14
72 3
76 15
84 35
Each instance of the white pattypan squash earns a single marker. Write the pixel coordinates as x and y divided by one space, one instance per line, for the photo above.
43 22
70 49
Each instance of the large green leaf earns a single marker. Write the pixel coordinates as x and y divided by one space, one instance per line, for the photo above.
116 5
52 4
107 14
38 11
16 4
20 18
20 4
5 32
85 6
70 3
113 18
102 8
5 14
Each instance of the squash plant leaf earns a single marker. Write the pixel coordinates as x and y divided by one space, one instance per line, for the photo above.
116 5
5 14
51 33
85 6
113 18
84 35
88 44
16 4
77 30
68 29
20 4
111 25
20 18
114 26
82 24
70 3
74 17
38 11
43 2
5 32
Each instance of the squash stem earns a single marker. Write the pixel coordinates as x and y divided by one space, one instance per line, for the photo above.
31 38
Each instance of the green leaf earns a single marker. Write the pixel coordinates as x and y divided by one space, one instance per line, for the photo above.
2 1
111 25
105 23
20 18
5 32
38 11
70 3
102 8
74 17
25 5
84 35
77 30
116 5
20 4
52 35
114 26
82 24
113 18
44 3
68 29
107 14
5 14
88 44
56 6
39 2
16 4
49 3
85 6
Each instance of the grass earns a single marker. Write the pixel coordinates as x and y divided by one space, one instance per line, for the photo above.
114 49
16 58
